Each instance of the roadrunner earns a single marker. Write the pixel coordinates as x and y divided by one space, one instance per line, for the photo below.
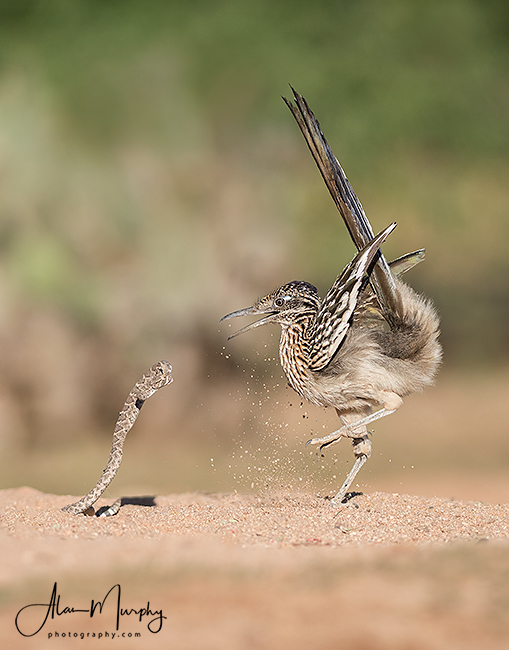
371 341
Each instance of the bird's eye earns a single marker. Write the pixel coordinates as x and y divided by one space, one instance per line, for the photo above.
279 302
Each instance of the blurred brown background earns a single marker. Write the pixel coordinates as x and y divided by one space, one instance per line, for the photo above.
152 180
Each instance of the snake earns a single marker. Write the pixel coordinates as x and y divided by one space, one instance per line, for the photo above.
158 376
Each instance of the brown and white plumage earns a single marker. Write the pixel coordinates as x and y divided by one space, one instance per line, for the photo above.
371 341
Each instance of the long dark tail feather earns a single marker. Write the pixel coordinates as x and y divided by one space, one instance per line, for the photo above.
346 201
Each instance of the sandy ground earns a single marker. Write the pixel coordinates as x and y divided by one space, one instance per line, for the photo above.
248 571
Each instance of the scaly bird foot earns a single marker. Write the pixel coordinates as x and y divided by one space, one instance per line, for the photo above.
346 431
338 499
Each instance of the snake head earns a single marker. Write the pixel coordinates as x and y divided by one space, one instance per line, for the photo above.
160 375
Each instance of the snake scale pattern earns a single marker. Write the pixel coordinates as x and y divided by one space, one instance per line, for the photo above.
157 377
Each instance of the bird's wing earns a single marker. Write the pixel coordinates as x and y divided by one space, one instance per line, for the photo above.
334 317
407 262
345 199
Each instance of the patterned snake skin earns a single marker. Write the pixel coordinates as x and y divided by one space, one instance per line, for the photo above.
158 376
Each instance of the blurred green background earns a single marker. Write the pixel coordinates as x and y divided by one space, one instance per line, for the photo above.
152 180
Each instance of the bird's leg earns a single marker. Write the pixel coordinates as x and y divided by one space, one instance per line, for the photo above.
359 462
361 449
356 429
348 429
360 440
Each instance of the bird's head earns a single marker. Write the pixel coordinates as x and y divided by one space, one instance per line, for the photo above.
284 306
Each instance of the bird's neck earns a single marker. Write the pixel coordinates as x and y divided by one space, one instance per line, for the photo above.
293 353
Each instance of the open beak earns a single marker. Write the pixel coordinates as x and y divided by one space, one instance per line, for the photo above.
249 311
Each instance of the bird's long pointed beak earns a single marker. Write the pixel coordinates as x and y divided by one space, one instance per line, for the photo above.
249 311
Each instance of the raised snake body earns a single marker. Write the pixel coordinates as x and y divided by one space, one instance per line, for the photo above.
158 376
